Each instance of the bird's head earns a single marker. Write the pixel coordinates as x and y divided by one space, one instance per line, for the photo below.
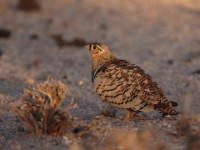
98 49
100 54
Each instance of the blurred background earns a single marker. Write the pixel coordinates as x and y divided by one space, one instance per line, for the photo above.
42 38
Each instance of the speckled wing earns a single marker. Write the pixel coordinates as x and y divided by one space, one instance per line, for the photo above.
127 86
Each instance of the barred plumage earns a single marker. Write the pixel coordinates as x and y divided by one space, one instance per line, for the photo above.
126 85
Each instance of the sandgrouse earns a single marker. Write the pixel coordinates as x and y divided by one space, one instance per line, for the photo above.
125 85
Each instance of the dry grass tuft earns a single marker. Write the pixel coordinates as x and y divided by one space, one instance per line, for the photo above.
41 112
126 139
100 134
183 126
187 125
194 142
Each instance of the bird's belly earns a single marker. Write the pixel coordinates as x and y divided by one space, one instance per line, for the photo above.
118 93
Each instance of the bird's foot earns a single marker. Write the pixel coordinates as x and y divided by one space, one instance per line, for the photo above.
129 115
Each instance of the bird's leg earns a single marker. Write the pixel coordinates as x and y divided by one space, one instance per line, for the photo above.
129 115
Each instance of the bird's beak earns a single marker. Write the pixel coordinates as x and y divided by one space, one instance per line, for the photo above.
87 46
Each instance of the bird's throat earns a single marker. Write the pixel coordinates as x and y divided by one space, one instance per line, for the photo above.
99 61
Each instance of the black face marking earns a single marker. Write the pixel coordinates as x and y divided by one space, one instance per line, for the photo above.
90 48
100 49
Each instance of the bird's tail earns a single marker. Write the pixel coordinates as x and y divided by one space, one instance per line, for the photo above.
166 107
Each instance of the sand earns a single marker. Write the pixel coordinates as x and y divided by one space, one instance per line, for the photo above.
162 37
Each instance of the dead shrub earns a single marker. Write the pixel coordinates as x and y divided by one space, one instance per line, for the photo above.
41 111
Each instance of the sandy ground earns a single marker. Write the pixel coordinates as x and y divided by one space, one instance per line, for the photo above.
163 37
